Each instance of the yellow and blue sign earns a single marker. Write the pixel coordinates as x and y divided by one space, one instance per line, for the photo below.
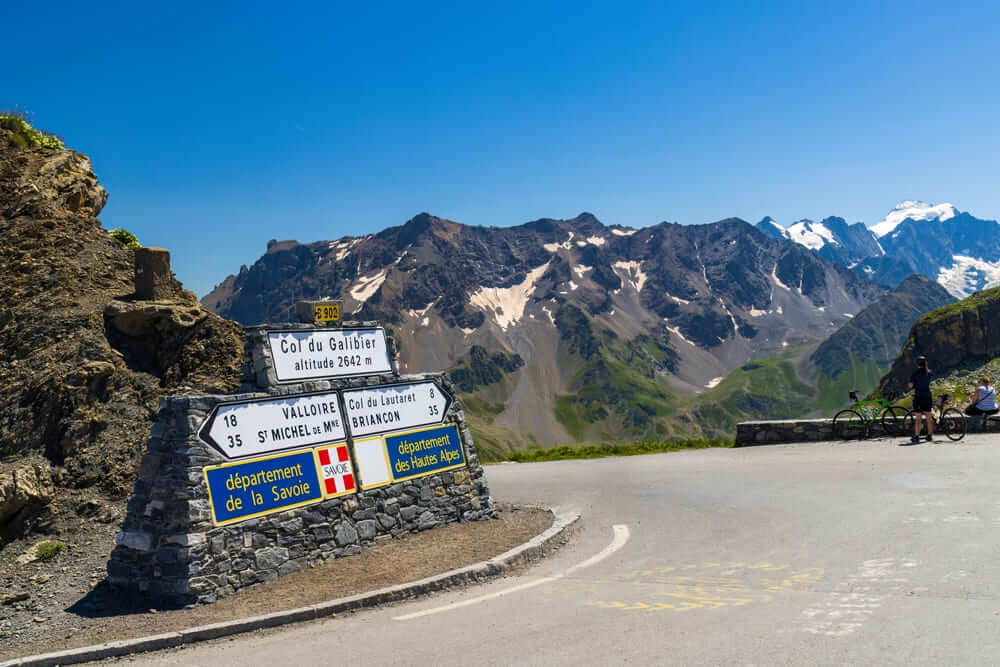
418 453
238 491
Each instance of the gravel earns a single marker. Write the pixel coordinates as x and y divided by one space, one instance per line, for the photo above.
70 606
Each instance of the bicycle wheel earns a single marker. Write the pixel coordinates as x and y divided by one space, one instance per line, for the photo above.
953 423
849 425
894 420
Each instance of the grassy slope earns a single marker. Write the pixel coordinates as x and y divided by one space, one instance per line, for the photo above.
765 388
832 395
621 396
600 451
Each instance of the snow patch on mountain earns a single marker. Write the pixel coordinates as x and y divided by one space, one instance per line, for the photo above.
633 273
777 280
732 319
343 248
623 232
565 245
967 275
813 235
507 303
423 311
913 210
677 332
368 286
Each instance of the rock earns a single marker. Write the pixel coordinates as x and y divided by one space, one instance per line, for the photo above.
350 505
367 529
24 488
346 534
74 389
950 337
153 279
14 597
288 568
270 557
409 513
134 540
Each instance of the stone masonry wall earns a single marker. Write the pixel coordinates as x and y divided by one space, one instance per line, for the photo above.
816 430
170 549
775 431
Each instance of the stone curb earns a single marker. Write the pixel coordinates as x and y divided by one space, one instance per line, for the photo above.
488 569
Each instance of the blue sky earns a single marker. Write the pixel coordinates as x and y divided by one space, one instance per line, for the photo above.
216 127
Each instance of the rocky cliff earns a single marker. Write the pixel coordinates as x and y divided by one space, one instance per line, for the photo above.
82 362
963 334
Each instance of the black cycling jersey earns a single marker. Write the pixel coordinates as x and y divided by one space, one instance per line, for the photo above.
921 380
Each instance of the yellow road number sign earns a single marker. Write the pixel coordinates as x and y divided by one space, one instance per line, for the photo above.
328 312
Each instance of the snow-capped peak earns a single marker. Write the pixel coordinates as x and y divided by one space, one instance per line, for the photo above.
772 228
913 210
813 235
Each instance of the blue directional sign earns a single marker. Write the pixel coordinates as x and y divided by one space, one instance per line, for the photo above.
419 453
238 491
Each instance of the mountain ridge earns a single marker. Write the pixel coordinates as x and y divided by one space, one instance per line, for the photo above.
956 249
659 311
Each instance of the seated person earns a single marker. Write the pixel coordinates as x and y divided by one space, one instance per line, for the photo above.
985 401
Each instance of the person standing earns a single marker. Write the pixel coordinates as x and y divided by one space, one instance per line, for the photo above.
985 401
920 383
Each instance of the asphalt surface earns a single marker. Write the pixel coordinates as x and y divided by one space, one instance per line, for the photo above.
861 553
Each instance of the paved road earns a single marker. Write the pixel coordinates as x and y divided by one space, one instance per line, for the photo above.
867 553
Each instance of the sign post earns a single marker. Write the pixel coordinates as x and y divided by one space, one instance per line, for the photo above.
266 425
394 407
313 354
238 491
323 312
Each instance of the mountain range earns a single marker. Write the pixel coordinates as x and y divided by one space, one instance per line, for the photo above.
958 250
592 331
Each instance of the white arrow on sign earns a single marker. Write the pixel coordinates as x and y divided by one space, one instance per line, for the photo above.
261 426
393 407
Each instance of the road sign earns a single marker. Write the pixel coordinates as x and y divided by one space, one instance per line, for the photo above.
262 426
423 452
336 470
311 354
394 407
327 312
238 491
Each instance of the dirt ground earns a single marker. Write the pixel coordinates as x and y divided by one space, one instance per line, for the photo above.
81 611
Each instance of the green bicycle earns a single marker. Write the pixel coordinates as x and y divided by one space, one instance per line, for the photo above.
857 421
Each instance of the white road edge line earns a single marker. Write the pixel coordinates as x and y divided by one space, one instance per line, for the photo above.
617 542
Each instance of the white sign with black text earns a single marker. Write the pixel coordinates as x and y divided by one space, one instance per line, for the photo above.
393 407
311 354
262 426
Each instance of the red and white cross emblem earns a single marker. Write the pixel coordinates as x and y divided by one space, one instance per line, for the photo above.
338 476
